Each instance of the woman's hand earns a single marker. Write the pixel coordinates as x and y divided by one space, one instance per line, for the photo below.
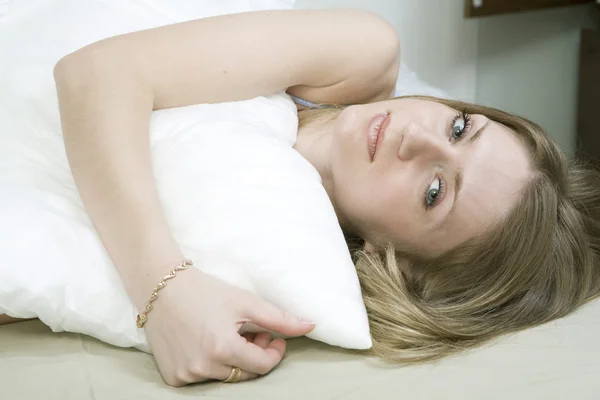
193 330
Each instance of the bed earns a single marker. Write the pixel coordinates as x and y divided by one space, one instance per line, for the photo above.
559 360
555 361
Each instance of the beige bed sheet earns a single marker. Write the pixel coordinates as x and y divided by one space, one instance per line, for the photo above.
560 360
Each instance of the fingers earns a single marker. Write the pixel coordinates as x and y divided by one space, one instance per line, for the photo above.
216 371
270 317
246 376
264 340
261 340
249 336
255 354
259 357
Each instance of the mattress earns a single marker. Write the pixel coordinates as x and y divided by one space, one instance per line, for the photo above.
560 360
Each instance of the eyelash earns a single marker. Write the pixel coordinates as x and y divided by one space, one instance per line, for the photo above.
467 118
441 192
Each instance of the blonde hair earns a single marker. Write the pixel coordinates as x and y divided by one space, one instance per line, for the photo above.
538 264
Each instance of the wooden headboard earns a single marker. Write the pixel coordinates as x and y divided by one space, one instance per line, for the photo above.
480 8
588 133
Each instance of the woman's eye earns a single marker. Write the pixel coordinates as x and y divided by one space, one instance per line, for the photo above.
432 192
459 126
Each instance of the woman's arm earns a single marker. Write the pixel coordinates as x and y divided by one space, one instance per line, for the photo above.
107 90
334 56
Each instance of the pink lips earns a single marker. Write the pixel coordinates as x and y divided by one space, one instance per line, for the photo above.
376 132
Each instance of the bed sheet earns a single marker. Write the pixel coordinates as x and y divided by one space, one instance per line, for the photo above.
559 360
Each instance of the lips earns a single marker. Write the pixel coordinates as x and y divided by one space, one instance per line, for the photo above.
376 132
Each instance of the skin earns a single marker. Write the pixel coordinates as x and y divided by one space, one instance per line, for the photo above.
383 200
107 91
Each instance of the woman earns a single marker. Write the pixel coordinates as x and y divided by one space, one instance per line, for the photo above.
465 222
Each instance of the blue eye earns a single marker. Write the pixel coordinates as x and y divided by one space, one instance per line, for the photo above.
460 125
434 193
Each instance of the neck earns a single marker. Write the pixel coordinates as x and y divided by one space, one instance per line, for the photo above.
314 143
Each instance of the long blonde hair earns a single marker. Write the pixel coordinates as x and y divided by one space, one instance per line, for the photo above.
540 263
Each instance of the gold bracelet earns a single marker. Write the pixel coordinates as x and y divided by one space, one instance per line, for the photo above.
142 317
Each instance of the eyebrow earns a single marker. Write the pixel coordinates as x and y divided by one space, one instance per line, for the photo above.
458 179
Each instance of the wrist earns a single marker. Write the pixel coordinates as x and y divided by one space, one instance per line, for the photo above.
142 316
143 280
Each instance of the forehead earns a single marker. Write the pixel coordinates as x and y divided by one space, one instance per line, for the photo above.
495 171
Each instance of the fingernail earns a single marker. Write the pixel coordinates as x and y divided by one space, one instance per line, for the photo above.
306 321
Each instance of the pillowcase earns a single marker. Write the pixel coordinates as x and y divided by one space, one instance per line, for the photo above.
241 202
254 211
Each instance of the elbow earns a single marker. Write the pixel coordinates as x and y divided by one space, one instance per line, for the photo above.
384 47
87 65
389 55
389 76
390 42
63 69
382 37
72 71
98 68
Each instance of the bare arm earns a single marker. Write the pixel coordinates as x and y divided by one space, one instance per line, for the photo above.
329 55
107 91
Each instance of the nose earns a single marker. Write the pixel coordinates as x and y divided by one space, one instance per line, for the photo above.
419 143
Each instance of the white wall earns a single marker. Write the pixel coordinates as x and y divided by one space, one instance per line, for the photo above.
528 64
436 41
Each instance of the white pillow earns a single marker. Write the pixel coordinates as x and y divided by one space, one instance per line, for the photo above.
253 211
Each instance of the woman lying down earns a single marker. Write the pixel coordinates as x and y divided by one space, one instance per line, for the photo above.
465 222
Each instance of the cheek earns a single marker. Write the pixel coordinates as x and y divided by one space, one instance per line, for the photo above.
382 202
390 194
395 211
349 163
348 120
345 149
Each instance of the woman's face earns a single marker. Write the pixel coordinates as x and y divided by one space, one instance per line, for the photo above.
435 179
